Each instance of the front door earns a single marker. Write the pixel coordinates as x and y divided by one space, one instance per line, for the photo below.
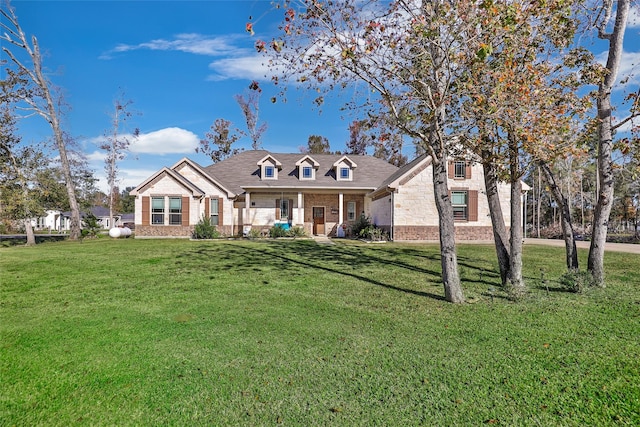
318 220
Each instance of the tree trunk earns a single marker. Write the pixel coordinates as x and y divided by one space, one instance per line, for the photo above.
448 257
595 263
518 287
31 238
74 232
565 218
500 234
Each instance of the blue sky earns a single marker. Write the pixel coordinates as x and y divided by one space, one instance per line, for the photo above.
181 63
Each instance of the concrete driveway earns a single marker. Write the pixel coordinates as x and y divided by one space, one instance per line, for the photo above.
613 247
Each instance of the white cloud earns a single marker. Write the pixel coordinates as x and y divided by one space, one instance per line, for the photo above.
165 141
126 178
96 156
198 44
245 67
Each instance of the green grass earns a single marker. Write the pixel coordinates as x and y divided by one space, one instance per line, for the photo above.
149 332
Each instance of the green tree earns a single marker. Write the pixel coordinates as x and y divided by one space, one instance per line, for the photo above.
218 143
128 202
317 145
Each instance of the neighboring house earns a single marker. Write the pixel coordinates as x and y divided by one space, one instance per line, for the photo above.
257 189
52 220
102 214
61 221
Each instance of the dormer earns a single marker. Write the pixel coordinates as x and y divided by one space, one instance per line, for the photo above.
307 168
344 169
269 167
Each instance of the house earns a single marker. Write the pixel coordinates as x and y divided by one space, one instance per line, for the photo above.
257 189
55 220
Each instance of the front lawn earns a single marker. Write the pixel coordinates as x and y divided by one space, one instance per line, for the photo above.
174 332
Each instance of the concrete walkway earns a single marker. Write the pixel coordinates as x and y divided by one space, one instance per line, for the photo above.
321 239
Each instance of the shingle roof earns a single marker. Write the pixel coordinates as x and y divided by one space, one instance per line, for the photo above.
242 172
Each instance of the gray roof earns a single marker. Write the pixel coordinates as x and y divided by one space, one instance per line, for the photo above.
242 172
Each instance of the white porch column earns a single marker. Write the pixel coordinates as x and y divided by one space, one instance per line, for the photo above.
340 212
300 210
247 209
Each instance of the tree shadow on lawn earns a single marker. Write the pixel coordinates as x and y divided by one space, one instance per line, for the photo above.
332 259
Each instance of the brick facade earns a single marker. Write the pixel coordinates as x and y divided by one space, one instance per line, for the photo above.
180 231
430 232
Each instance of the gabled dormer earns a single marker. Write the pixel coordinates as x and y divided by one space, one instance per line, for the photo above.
307 168
344 168
269 167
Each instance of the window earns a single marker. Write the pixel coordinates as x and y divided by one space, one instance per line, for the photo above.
344 173
284 209
460 170
175 210
307 172
215 212
269 172
460 202
351 211
157 210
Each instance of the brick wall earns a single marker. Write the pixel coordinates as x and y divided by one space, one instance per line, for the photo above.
427 232
186 232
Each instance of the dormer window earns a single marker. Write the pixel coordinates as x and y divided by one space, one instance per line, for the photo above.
269 172
344 169
307 168
269 167
307 172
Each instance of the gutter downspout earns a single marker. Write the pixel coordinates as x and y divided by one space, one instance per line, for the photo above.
392 216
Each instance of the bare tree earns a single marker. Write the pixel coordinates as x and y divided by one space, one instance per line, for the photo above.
116 145
43 103
250 106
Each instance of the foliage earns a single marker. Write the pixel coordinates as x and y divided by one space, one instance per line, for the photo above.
277 231
205 230
317 145
373 233
296 232
254 233
348 334
363 222
358 139
218 142
91 226
576 281
127 201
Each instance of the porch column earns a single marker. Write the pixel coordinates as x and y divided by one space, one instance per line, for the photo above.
300 210
247 209
340 213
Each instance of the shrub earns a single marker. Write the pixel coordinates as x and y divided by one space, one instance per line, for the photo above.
91 226
373 233
277 231
296 232
362 223
254 233
205 230
576 281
